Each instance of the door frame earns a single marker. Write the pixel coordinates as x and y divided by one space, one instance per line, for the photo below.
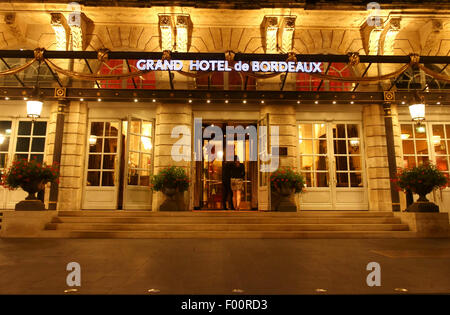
115 188
332 189
126 166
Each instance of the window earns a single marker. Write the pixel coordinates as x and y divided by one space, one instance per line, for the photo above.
139 152
440 141
347 152
414 145
102 153
31 140
313 154
5 139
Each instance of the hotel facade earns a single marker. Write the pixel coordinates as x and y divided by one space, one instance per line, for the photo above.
111 130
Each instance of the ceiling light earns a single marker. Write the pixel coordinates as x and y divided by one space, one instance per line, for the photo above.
6 98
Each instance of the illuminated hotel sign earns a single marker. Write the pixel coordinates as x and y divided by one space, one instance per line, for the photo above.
223 65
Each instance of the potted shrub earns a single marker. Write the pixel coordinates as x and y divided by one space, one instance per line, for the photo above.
421 180
286 182
31 176
170 181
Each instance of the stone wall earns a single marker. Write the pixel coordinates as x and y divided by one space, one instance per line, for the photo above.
169 116
73 157
378 182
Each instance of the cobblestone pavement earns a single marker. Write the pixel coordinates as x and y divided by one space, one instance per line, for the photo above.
211 266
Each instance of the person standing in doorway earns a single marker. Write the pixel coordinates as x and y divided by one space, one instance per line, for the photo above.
237 181
226 185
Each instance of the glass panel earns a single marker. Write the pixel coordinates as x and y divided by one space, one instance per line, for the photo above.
134 142
320 146
94 161
406 129
421 147
438 130
355 162
441 163
339 131
321 163
133 176
447 130
135 126
133 160
422 160
145 160
24 128
147 128
108 179
353 146
320 131
341 163
146 144
340 147
305 131
144 180
23 144
420 131
409 161
355 180
21 156
97 129
306 163
306 147
440 147
3 160
308 179
93 179
110 146
352 131
322 179
109 161
40 128
5 127
111 129
37 145
408 146
342 179
5 145
97 147
38 157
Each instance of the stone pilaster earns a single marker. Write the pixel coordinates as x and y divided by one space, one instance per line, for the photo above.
376 159
398 147
73 157
283 116
169 116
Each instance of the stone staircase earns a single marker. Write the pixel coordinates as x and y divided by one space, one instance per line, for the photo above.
226 224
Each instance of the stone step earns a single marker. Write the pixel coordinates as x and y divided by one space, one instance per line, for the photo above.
142 213
224 220
226 227
229 234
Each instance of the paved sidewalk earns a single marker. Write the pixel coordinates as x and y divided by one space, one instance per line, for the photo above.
199 266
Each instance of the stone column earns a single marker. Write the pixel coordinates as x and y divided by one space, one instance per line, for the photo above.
73 157
283 116
377 166
169 116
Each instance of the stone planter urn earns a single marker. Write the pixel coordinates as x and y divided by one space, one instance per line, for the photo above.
423 204
170 204
285 204
31 202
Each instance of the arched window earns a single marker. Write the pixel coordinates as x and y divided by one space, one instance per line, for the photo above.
119 66
306 82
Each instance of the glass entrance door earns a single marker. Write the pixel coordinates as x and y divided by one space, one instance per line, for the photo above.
138 137
102 172
330 160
